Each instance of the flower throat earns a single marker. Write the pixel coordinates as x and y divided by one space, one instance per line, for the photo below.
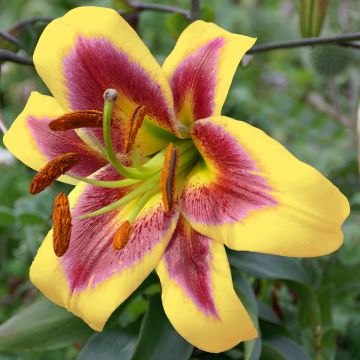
143 180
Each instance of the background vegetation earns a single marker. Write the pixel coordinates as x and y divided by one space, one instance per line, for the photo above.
307 98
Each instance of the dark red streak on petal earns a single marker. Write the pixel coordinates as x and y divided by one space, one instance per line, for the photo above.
95 65
91 258
196 75
53 144
187 259
238 187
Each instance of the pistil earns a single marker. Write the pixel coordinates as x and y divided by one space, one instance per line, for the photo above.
110 96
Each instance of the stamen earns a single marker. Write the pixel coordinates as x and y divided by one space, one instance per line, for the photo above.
90 139
110 96
52 170
115 184
144 168
168 178
61 218
122 235
77 119
141 202
133 126
146 186
184 130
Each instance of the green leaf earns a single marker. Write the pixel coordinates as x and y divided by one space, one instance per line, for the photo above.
328 347
269 353
42 326
30 219
109 345
266 313
158 339
6 216
176 24
122 5
281 347
265 266
277 267
207 13
308 306
246 294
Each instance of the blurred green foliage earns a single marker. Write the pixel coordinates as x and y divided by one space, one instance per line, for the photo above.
303 308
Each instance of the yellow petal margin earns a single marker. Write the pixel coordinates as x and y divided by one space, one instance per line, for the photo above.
199 67
96 303
307 219
20 141
101 24
209 332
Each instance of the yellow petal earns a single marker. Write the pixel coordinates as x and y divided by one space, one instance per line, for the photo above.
201 67
93 278
259 197
198 294
32 142
91 49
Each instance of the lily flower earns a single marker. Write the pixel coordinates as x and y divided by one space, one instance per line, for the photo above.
163 180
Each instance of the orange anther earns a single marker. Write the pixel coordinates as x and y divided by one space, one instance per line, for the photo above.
77 119
133 126
61 218
122 235
168 176
52 170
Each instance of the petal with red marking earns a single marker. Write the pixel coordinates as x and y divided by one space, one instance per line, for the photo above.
198 294
32 142
201 67
252 194
92 272
91 49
